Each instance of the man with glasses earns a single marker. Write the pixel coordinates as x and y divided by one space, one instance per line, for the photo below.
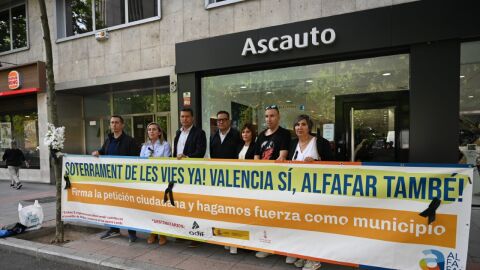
273 143
226 141
118 143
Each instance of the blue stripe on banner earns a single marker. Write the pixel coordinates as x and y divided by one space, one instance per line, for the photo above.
397 164
369 267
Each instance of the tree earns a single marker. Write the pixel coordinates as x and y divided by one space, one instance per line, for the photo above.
52 118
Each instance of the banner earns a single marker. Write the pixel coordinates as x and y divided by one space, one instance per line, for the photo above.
361 215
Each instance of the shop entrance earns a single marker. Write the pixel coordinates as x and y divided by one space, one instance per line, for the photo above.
372 127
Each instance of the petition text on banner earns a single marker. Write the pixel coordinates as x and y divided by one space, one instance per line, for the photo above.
308 210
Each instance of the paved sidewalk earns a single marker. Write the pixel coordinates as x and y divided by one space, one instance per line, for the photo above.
118 253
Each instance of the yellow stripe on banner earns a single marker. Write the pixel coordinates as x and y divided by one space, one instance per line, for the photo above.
372 223
244 235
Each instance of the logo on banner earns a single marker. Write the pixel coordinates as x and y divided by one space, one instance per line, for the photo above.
264 238
434 260
195 230
195 226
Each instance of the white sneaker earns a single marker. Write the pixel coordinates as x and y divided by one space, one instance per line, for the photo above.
290 260
299 263
261 254
311 265
233 250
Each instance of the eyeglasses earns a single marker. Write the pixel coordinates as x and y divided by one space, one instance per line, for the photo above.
271 107
222 119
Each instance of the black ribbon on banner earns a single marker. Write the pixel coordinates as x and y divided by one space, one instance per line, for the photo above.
169 194
431 210
68 185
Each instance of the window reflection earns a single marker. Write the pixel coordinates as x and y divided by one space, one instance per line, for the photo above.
300 90
78 15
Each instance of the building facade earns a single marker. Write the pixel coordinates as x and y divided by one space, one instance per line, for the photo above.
382 80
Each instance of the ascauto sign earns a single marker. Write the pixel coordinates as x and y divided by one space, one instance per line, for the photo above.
287 42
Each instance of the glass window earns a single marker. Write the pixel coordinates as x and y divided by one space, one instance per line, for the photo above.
19 27
13 28
133 102
141 9
217 3
163 100
4 31
470 94
21 127
108 13
78 17
97 105
299 90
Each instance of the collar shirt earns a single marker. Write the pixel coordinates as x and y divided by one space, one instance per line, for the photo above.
182 139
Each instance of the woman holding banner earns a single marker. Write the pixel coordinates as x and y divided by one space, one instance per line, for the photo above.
246 151
155 146
307 147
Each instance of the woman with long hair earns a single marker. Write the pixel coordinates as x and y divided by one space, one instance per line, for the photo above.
155 146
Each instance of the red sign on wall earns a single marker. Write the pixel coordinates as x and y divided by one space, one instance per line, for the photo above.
14 80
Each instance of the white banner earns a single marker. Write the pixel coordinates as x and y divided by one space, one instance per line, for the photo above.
351 214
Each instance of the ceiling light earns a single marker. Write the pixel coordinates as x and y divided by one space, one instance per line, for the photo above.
462 76
268 93
470 96
386 74
288 101
243 87
309 81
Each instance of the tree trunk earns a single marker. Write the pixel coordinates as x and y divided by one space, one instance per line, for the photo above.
52 118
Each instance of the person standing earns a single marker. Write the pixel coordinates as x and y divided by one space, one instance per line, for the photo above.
224 143
247 150
272 144
308 148
118 143
189 142
155 146
226 140
14 158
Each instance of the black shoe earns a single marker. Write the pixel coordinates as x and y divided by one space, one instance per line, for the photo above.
109 234
12 185
19 186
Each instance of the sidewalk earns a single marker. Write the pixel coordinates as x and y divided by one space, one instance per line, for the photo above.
118 253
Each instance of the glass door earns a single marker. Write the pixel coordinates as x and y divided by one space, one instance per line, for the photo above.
372 134
372 127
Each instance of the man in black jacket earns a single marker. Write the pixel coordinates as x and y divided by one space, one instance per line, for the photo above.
118 144
226 141
190 141
14 158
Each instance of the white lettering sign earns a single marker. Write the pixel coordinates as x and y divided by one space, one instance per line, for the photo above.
287 42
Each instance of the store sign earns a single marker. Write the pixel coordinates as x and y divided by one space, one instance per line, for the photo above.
288 42
14 81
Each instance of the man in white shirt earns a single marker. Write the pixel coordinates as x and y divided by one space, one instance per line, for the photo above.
190 141
225 143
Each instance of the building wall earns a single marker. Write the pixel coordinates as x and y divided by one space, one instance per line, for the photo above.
148 50
152 45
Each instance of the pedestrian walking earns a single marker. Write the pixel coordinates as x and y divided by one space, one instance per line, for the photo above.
14 158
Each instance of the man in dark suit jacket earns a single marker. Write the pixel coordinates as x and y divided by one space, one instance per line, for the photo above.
190 141
226 141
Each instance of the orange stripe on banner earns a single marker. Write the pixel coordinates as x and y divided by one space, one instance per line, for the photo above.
373 223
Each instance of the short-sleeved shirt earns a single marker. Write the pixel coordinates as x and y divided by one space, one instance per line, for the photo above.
269 147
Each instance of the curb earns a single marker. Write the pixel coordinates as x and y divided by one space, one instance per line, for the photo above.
72 257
